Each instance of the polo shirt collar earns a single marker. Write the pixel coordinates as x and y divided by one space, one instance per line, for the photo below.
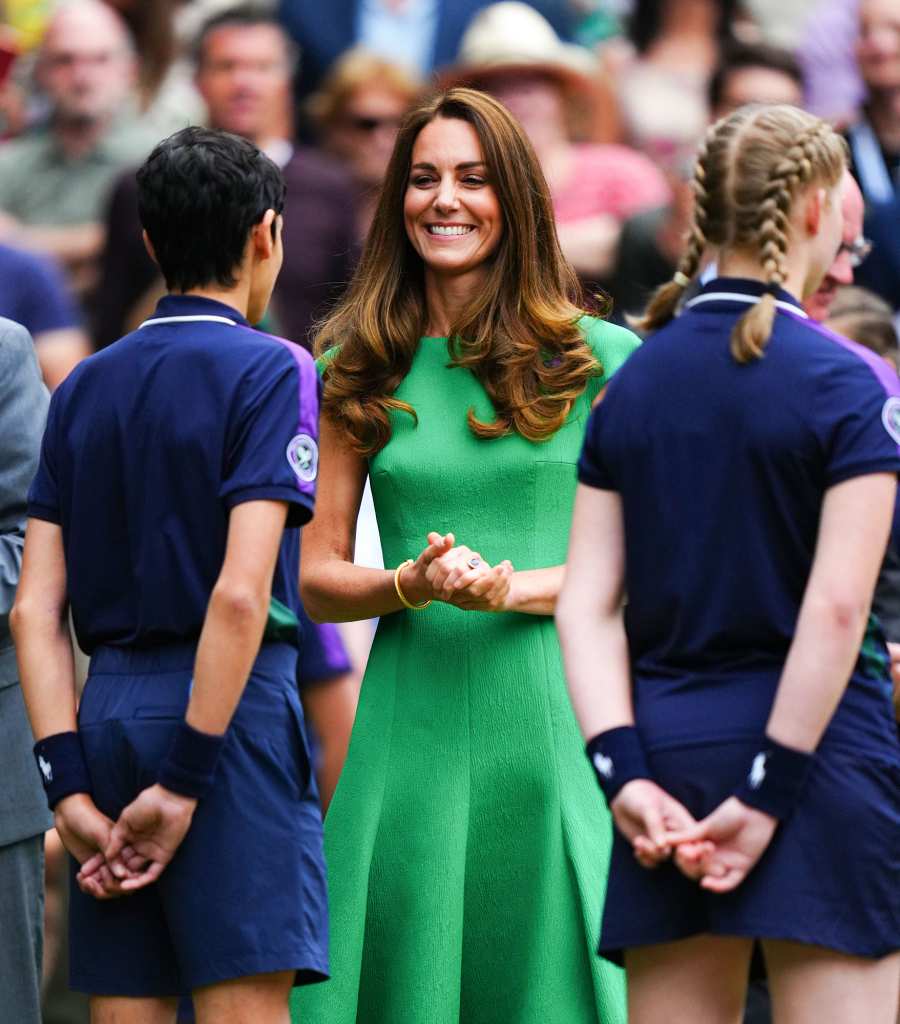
195 306
740 291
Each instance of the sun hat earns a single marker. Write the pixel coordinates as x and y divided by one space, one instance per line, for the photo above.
508 37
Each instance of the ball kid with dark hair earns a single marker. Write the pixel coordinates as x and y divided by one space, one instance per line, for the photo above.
177 467
185 185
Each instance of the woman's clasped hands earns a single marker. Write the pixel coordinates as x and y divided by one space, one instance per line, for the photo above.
455 574
717 852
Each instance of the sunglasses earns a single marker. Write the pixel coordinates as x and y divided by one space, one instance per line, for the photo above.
367 125
856 251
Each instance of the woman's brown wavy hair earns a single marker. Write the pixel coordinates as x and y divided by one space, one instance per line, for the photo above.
518 335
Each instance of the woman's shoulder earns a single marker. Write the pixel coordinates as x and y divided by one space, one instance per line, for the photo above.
611 344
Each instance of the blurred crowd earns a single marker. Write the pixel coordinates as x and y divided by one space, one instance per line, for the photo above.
614 95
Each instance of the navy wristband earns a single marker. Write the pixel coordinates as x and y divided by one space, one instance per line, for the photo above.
190 765
776 779
61 763
618 757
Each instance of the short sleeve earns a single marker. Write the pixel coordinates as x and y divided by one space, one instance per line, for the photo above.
611 344
593 469
274 449
859 422
43 495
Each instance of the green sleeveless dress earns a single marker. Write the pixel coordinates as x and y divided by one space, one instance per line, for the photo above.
467 843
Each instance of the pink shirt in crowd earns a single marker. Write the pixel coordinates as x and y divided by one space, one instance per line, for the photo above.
609 179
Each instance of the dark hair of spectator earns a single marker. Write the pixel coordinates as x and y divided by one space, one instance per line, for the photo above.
740 56
152 27
245 16
519 335
200 192
646 22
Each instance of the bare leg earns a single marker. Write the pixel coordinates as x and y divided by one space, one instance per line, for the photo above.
701 980
126 1010
258 999
812 985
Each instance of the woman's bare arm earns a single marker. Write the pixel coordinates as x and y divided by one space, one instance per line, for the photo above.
332 587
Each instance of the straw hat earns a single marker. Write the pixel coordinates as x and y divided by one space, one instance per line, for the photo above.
508 37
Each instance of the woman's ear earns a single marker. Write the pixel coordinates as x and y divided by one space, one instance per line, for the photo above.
814 205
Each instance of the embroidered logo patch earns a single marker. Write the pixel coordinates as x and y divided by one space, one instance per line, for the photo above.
46 769
890 417
303 458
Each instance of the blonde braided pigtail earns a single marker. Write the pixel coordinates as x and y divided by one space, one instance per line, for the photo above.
790 175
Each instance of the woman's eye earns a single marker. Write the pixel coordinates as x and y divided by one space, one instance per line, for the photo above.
472 179
422 181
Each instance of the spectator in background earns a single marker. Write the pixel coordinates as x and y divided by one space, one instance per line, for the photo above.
55 180
24 817
166 95
244 63
834 88
422 34
651 242
677 45
853 250
875 138
875 144
356 114
33 293
512 52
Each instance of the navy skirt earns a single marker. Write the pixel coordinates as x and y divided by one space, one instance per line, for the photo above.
830 876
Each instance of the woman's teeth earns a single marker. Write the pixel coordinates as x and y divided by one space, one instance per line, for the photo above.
440 229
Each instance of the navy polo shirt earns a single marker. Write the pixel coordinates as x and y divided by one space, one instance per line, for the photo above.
722 469
148 446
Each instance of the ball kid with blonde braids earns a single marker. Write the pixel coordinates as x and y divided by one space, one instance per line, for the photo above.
738 483
466 850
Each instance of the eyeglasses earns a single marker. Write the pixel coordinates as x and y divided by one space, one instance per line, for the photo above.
856 251
367 125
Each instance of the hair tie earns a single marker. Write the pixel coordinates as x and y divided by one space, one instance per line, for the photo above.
682 280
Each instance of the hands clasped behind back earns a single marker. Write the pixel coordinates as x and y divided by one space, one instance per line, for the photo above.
717 852
457 575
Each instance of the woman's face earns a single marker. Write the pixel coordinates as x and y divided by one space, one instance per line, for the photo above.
451 211
534 99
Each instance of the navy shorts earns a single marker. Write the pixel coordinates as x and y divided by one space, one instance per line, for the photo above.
829 877
245 893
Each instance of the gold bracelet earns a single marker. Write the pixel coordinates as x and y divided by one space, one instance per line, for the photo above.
400 594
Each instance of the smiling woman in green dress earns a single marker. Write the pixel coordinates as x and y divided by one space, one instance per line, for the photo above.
466 846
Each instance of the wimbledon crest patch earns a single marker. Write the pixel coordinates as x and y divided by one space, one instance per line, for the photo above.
303 458
890 417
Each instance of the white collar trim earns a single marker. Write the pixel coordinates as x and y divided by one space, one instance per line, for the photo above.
788 307
188 320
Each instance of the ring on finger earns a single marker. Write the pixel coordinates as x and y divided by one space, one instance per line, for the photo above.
474 562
